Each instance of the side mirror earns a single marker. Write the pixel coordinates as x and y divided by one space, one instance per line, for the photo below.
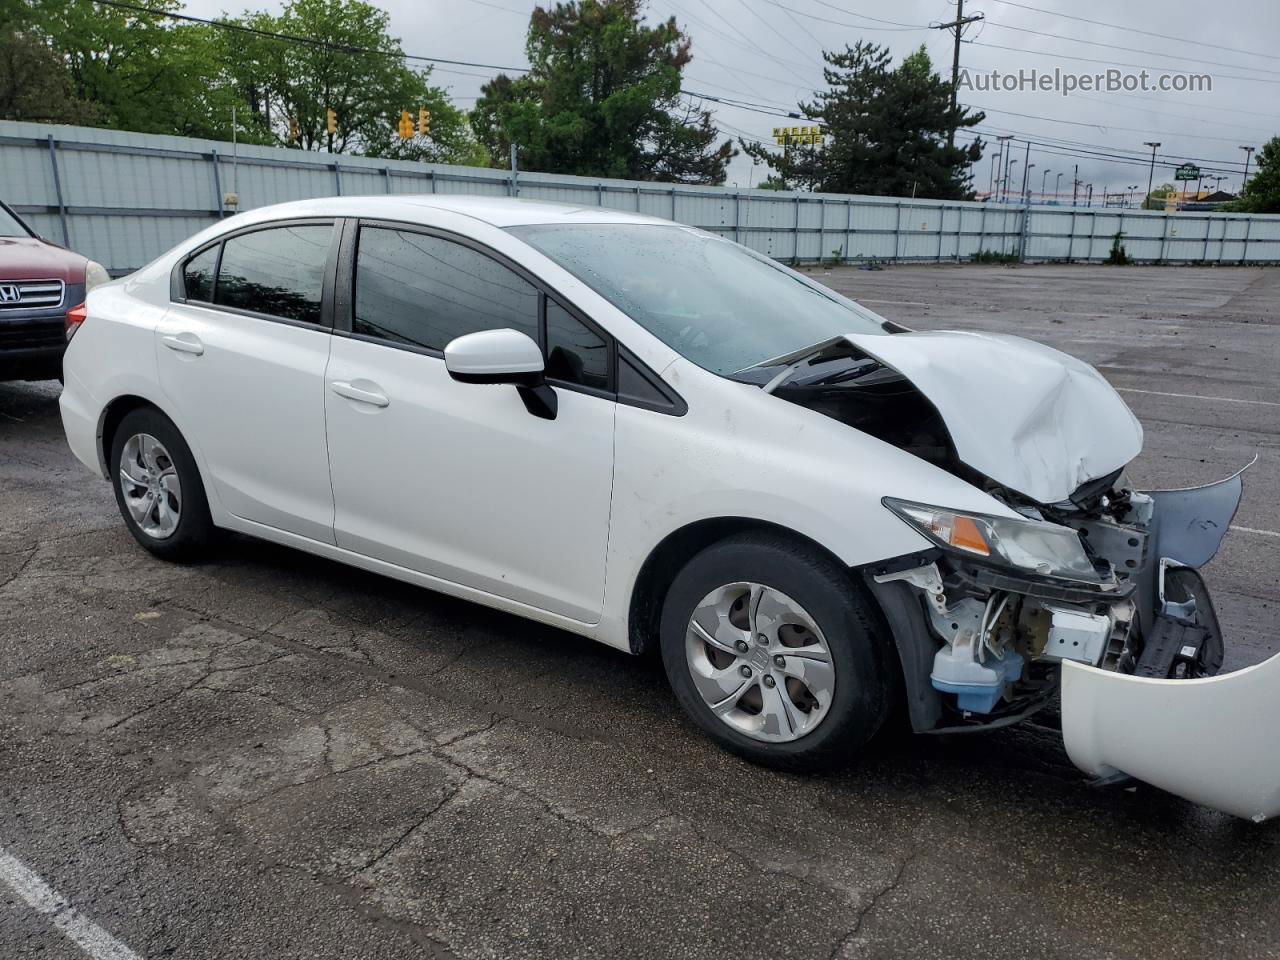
503 356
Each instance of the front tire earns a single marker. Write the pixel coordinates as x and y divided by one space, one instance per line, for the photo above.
774 653
158 487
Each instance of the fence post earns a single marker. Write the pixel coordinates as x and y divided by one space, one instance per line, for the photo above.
673 203
1244 251
1208 226
57 189
737 217
795 234
982 233
217 185
848 227
637 199
1164 238
337 178
942 226
897 230
1026 230
386 179
599 194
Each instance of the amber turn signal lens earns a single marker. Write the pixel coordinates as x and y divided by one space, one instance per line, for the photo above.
965 535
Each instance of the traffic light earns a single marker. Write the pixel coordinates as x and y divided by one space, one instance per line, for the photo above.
424 121
295 133
406 126
331 121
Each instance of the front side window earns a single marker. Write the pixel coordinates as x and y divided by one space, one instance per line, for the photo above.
423 291
278 271
197 275
720 305
574 353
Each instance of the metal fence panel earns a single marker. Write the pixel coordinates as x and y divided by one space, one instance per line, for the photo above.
123 198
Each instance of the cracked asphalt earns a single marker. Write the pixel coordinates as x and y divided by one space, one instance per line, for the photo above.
270 755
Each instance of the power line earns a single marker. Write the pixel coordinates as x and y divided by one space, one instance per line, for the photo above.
1112 63
1148 33
1096 126
294 38
1113 46
895 26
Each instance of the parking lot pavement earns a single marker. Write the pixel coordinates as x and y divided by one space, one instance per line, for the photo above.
273 756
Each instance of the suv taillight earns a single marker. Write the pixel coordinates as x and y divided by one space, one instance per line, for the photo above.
75 317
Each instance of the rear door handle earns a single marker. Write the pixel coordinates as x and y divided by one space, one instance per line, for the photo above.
183 343
369 394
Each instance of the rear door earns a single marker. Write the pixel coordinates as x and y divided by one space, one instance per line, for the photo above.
241 356
456 480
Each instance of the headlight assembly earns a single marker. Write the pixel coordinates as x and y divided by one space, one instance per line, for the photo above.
95 275
1032 546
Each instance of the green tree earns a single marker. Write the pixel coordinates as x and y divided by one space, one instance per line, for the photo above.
350 65
1262 193
1157 198
135 70
886 131
602 98
34 82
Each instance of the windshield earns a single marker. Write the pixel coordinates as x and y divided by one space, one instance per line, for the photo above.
10 225
718 304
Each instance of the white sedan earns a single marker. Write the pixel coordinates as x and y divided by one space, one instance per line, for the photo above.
649 435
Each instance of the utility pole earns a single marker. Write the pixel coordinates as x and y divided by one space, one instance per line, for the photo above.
1152 175
1026 169
1004 153
1248 152
1075 184
956 27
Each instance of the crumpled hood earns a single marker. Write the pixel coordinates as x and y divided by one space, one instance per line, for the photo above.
1029 417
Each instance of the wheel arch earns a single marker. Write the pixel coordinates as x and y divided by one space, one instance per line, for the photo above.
666 560
109 421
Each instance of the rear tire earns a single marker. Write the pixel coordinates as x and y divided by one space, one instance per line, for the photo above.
158 487
785 665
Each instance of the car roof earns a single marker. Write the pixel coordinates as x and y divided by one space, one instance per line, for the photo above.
498 211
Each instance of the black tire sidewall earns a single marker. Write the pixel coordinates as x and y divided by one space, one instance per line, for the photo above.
823 588
194 525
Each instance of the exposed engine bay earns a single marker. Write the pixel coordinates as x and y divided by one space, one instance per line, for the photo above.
1085 585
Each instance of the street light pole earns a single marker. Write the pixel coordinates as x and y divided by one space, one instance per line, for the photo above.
1008 152
1248 153
1000 154
1043 179
1008 169
1152 175
1026 171
1056 183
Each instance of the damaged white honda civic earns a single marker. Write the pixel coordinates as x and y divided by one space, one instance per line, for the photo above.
655 437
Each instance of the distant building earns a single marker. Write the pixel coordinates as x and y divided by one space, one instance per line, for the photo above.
1196 200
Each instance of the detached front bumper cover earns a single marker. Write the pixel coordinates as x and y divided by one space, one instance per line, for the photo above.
1212 740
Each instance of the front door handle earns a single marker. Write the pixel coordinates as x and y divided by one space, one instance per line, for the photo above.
369 394
183 343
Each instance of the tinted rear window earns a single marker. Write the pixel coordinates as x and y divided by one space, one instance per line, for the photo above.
278 271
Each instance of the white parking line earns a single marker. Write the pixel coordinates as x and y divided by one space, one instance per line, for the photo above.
1261 533
74 925
1196 396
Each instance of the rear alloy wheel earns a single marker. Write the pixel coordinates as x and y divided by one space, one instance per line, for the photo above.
158 487
151 487
774 652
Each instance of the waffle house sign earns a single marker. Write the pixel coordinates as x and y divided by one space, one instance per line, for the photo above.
792 136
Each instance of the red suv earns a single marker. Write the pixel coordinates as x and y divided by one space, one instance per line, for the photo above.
42 288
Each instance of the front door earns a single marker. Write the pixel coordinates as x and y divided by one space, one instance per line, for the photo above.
460 481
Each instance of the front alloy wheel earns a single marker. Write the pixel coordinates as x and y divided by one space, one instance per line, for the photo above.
774 650
760 662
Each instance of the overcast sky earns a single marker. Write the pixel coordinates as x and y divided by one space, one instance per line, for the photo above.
768 52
